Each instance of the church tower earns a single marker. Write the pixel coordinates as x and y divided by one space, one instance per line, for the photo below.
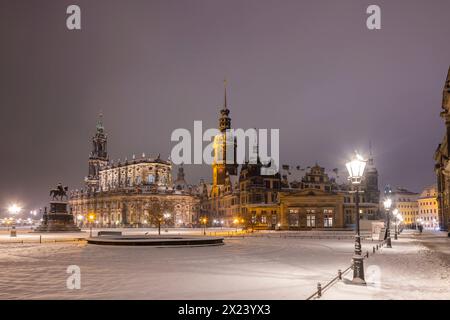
98 156
224 164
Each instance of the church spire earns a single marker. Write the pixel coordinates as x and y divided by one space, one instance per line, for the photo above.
370 153
224 120
99 126
446 94
225 93
99 141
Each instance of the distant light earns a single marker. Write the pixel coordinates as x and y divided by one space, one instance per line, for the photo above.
14 209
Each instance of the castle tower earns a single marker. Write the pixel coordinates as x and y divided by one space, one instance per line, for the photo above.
98 157
223 142
370 184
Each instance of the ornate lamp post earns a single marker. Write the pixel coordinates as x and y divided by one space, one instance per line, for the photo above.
204 220
387 205
356 172
395 212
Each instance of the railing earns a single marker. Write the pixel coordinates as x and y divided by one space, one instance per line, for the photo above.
318 293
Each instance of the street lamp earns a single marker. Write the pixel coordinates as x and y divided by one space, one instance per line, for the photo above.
236 222
14 209
166 217
203 220
395 213
387 205
91 219
356 172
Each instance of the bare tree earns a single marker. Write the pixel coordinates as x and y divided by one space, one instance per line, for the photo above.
156 209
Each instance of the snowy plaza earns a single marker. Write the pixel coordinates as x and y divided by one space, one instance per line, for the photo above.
264 265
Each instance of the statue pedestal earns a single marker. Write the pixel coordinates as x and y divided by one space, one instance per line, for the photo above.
57 219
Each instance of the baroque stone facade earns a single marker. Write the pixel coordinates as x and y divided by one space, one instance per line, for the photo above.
136 192
442 163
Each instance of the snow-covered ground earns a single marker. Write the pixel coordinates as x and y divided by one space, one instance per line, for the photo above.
251 268
416 267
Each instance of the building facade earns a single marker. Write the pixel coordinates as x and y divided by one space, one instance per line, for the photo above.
134 193
442 163
406 202
428 208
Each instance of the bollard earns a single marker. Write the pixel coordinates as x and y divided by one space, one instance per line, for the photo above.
40 238
13 232
319 289
339 274
377 247
367 253
373 249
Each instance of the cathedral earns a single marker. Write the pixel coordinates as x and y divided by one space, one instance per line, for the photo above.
135 193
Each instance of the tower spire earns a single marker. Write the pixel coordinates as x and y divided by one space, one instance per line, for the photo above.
100 122
225 93
446 96
224 120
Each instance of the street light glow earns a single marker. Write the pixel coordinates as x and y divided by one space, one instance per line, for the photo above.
14 209
387 203
356 168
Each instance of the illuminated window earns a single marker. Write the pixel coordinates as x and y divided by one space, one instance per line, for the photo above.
327 221
310 220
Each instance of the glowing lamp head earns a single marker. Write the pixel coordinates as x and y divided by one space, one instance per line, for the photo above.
387 203
14 209
356 168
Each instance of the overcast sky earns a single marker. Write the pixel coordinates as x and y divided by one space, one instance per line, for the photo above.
310 68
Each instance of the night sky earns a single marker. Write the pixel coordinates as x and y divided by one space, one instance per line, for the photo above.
310 68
